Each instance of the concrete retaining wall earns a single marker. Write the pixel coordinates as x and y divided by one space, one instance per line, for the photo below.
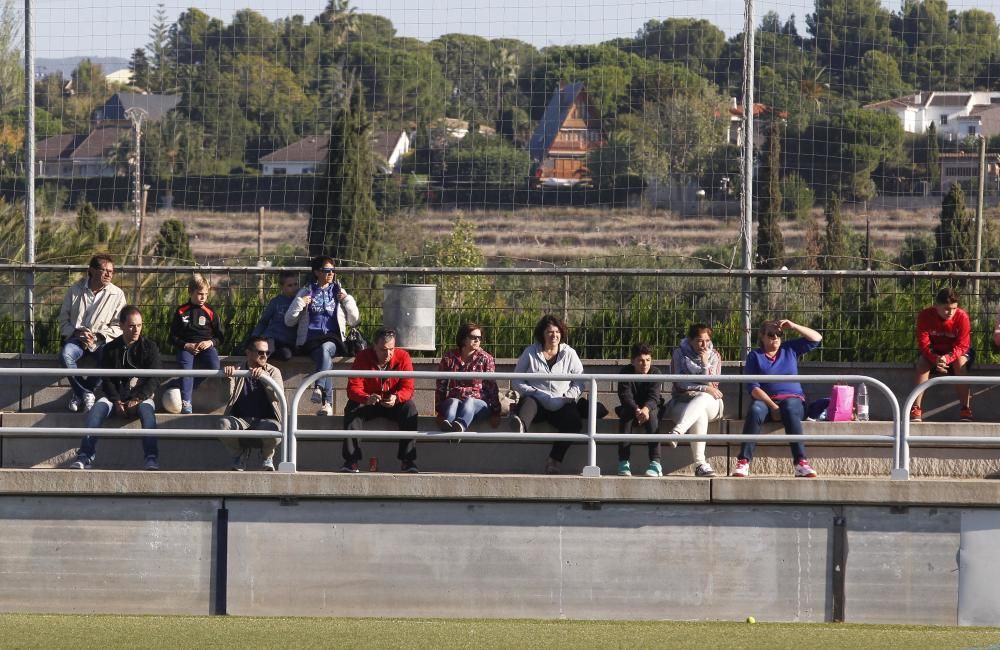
468 546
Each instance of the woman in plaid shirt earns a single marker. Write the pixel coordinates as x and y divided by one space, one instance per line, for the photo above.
459 401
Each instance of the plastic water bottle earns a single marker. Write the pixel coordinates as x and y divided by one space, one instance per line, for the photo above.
861 402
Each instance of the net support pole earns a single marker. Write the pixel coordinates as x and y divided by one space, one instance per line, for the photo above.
29 183
980 198
747 207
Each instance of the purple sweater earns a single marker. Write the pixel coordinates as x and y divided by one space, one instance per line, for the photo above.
786 363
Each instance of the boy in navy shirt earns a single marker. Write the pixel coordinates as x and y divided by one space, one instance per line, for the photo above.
196 332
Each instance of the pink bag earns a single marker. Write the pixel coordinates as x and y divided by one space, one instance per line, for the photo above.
841 407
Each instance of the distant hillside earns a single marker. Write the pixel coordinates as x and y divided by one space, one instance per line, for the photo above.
66 65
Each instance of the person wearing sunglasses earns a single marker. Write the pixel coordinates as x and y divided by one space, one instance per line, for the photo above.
322 312
779 401
252 405
460 401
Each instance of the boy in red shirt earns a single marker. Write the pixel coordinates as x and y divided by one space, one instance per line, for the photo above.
943 338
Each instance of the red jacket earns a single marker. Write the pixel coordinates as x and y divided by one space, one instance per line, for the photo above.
358 388
948 339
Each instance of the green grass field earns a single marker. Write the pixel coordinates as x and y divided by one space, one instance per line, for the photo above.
58 631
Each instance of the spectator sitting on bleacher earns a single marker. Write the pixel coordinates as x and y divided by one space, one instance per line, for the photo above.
252 405
126 397
694 404
373 397
545 400
322 312
945 348
460 401
196 331
279 335
640 407
88 320
783 401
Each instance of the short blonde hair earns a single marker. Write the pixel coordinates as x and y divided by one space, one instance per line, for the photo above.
198 283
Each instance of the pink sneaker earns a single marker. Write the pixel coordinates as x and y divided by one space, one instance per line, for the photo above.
804 470
742 469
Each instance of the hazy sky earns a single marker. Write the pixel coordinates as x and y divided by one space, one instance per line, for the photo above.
116 27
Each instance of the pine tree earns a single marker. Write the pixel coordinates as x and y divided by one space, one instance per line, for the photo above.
342 224
954 237
933 159
139 66
837 240
770 243
172 242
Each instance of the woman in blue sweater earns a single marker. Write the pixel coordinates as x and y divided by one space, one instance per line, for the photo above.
784 401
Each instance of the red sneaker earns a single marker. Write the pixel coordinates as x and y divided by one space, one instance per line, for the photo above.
916 414
965 415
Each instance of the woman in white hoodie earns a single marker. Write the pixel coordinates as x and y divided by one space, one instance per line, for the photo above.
546 400
696 403
322 311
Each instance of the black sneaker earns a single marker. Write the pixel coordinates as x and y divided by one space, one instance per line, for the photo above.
82 462
350 468
409 467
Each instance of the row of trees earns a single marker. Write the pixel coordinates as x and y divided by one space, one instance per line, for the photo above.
254 85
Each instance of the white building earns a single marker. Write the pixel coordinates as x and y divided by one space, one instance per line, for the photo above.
307 155
955 114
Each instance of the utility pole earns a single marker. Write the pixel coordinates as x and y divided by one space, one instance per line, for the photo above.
747 208
136 116
29 184
979 213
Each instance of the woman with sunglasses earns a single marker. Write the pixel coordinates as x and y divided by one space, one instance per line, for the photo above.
460 401
322 311
784 401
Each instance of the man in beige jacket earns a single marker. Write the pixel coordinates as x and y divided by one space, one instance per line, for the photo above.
88 320
253 405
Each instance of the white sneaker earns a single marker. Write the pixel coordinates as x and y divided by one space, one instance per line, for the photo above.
705 470
317 396
804 470
88 401
74 404
326 409
742 469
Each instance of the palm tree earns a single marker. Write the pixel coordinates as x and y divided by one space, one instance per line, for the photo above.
811 85
340 19
505 69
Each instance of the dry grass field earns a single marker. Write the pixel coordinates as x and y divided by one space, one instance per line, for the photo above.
547 234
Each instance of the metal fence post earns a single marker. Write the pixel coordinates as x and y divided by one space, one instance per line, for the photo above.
592 468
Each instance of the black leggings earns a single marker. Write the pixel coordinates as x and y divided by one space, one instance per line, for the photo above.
566 419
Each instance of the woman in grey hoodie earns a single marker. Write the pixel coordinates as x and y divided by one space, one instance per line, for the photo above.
547 400
696 403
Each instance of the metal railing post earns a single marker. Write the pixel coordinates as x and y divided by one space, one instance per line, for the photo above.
592 468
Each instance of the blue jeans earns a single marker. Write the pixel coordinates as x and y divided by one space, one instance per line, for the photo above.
70 353
793 411
101 412
322 357
207 359
464 411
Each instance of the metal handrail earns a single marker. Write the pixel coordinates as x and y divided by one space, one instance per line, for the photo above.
904 461
591 437
134 432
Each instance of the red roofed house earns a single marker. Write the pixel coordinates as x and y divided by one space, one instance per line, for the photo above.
82 155
567 132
